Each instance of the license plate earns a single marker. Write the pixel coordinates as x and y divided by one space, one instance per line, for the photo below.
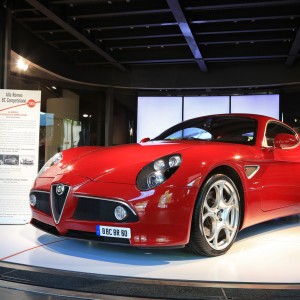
110 231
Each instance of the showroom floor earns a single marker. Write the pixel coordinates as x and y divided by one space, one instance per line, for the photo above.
267 253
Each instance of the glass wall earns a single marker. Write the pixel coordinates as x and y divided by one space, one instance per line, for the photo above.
156 114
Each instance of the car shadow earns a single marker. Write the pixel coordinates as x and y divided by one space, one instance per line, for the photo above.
115 253
269 226
127 255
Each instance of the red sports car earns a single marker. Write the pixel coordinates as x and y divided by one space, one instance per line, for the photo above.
195 185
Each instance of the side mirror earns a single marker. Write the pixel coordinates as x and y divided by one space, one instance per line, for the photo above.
145 140
285 140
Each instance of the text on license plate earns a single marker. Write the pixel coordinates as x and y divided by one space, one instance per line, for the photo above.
118 232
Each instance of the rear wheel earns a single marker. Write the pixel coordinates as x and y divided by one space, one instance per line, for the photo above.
216 218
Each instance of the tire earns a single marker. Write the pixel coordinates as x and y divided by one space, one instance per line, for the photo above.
216 220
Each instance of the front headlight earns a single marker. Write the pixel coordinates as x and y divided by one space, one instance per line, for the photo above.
51 162
158 171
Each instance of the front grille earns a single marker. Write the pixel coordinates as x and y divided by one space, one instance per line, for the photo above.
42 201
58 200
97 209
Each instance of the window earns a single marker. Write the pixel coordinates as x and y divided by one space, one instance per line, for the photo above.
229 129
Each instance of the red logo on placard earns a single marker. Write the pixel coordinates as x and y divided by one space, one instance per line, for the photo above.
31 103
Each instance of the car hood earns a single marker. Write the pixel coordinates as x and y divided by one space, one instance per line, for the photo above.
119 163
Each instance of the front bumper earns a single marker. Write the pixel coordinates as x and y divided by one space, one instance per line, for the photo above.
159 218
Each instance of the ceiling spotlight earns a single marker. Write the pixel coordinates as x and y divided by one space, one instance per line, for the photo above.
109 2
54 87
21 65
85 115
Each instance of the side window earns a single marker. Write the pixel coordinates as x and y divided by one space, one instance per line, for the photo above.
274 128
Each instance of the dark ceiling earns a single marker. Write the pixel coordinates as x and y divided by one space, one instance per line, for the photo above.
126 33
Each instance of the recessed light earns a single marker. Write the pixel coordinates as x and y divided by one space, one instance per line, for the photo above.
54 87
21 65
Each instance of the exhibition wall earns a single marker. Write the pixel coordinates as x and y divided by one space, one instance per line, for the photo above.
156 114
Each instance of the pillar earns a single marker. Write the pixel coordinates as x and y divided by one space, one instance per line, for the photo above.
5 46
109 116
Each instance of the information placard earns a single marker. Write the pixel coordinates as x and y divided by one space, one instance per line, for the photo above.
19 144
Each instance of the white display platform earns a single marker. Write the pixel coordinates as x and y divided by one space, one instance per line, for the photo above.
265 253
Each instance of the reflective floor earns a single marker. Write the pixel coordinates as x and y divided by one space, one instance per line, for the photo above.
265 253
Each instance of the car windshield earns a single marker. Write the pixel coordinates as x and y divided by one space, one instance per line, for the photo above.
230 129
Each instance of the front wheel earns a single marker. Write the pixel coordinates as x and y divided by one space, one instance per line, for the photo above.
216 218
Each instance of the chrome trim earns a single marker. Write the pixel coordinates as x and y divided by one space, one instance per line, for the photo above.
254 172
38 191
107 199
62 210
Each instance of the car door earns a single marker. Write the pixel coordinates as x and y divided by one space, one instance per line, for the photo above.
280 170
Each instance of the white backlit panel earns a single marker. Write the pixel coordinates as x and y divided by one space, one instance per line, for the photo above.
156 114
267 105
202 106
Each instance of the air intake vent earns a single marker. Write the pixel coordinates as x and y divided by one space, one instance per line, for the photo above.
251 171
42 202
102 210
